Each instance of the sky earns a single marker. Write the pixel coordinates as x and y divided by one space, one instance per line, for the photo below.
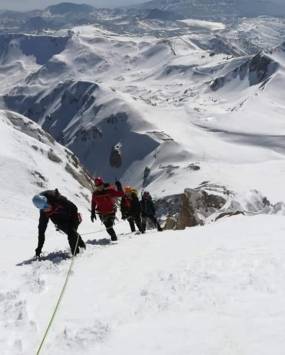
22 5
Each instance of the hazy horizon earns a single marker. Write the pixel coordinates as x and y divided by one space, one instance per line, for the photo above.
20 5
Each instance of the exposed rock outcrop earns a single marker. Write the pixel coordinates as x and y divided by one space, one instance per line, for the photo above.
116 156
191 208
257 70
209 203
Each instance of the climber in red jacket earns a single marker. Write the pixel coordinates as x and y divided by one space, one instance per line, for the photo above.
104 204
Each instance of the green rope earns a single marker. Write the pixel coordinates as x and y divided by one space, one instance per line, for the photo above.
59 299
61 294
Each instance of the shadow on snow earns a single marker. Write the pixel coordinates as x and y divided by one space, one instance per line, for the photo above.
59 256
103 241
55 257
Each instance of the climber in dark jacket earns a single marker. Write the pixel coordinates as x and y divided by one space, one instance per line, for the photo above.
131 209
63 213
148 211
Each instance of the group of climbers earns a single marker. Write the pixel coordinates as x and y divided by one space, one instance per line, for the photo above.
138 212
64 214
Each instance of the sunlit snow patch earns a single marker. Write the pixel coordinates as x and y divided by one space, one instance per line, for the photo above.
212 26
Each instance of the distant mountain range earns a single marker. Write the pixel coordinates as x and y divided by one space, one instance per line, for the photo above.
126 90
67 7
66 14
217 8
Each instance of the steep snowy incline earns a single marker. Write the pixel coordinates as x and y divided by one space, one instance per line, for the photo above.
31 161
213 289
216 289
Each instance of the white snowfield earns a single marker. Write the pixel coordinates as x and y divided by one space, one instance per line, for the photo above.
207 25
208 290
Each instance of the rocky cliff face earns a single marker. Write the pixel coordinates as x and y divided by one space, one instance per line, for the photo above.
208 203
55 108
256 70
91 121
42 47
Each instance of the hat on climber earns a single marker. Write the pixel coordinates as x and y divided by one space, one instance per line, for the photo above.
40 201
99 181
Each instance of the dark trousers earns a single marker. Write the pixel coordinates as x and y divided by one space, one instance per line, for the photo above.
108 221
135 221
73 236
153 220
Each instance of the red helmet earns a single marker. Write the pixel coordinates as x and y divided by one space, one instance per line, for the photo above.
99 181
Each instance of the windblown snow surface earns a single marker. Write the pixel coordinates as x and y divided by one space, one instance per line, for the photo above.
217 289
168 101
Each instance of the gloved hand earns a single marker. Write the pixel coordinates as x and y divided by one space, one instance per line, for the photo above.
38 252
118 185
124 216
93 217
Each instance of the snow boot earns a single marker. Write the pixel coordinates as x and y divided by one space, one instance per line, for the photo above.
113 235
81 243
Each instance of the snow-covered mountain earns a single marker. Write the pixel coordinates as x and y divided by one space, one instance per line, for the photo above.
143 107
165 103
144 99
67 14
55 16
69 8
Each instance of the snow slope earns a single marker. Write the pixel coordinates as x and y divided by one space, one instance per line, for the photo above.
31 161
211 26
213 290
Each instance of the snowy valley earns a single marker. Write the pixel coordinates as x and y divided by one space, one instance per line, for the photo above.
188 108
